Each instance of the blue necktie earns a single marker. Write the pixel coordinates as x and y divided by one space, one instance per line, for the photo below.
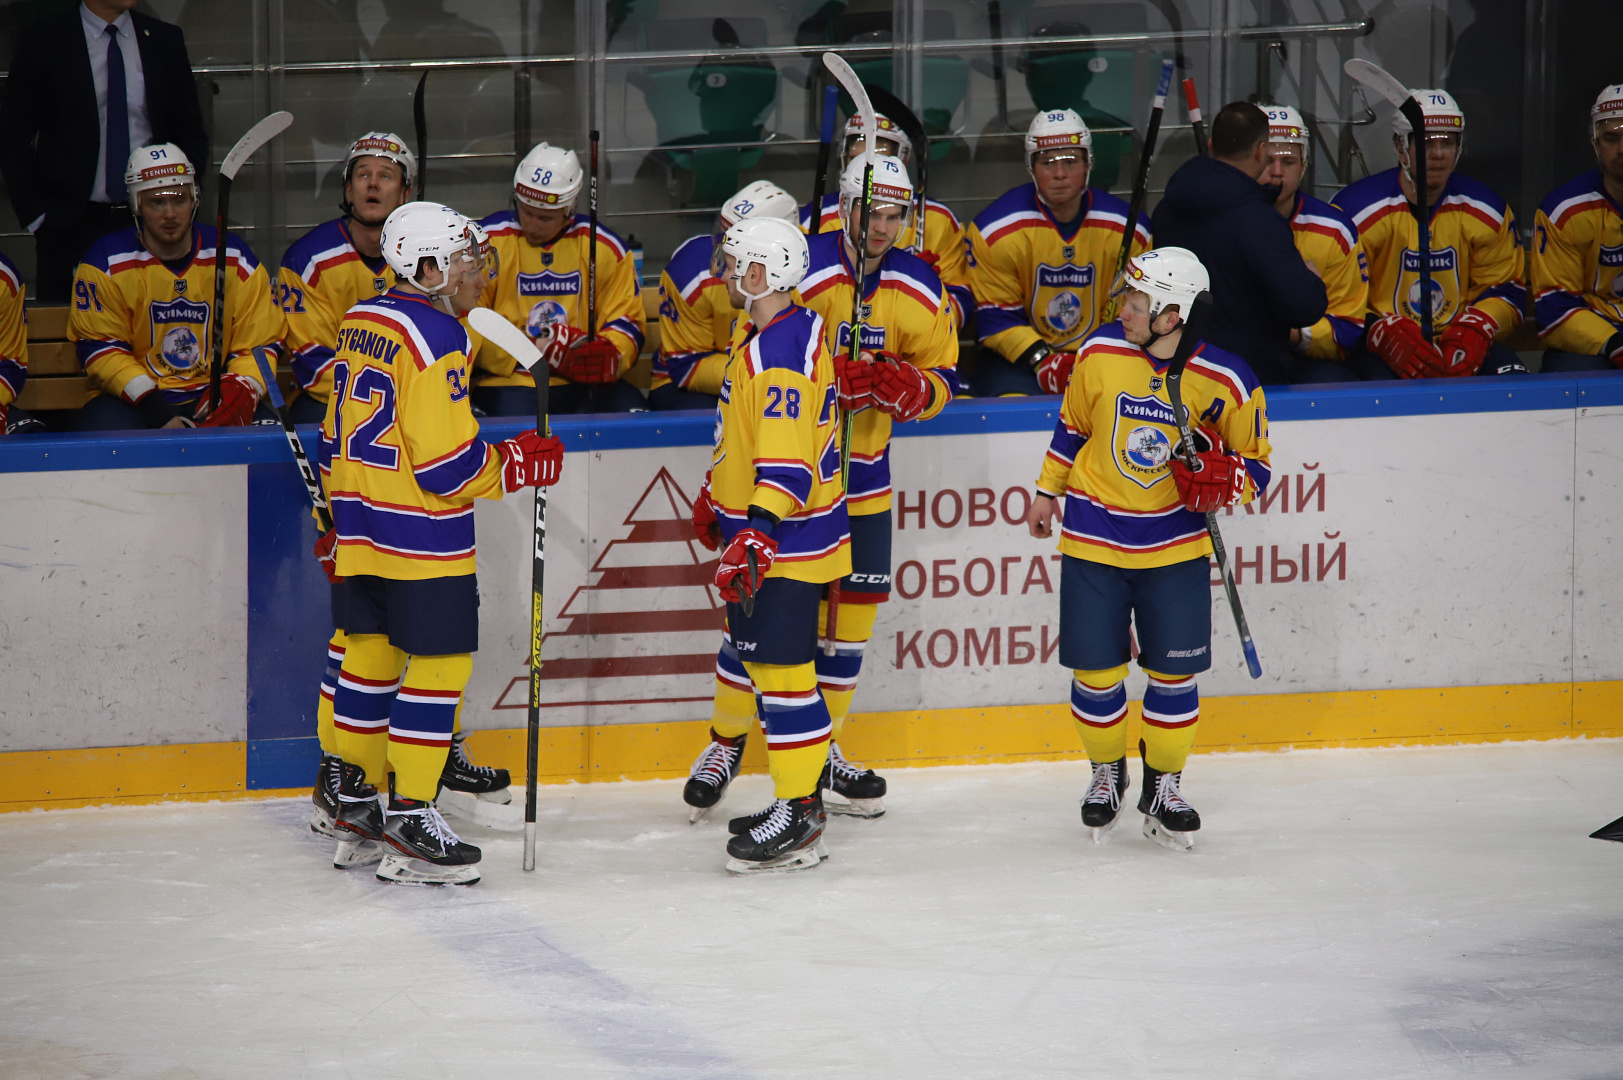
118 120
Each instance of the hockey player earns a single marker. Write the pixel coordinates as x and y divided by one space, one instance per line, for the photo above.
541 286
1477 293
13 352
1040 261
1328 241
695 316
943 244
403 462
335 265
906 371
1134 537
142 310
1577 256
773 504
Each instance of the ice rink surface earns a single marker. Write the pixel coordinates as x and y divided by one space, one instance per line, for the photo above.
1346 913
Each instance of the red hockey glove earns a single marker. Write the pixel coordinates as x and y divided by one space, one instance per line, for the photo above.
1403 346
901 390
705 525
1613 350
239 397
1464 344
530 461
1054 371
854 380
594 360
733 572
1220 481
326 555
554 342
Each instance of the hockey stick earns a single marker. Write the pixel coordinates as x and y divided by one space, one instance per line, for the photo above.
1151 135
892 106
517 344
831 100
1193 326
312 483
257 136
1612 830
1378 80
1195 121
591 251
419 116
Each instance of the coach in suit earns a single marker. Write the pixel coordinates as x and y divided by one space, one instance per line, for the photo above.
84 89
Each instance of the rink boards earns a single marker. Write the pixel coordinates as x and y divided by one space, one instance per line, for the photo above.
1430 564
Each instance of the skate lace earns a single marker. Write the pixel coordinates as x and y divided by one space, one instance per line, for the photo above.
460 762
1103 789
842 766
1167 795
434 825
776 821
715 764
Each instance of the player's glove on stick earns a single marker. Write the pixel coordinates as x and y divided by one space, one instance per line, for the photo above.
1613 350
326 555
1402 345
854 381
530 461
554 342
733 572
1054 371
901 391
239 397
1464 344
1220 481
594 360
705 525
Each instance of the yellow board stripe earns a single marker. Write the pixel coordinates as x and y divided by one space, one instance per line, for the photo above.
889 740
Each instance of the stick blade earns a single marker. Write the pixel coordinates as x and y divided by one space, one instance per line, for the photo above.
1377 79
1610 831
256 136
494 328
853 86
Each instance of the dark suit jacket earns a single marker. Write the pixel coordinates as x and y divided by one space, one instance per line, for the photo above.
50 136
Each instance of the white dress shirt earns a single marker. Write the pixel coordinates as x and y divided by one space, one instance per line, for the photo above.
135 88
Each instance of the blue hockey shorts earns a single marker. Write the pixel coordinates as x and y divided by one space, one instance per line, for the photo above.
1171 605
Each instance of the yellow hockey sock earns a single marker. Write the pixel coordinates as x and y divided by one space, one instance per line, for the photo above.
329 687
366 689
420 722
797 726
1099 709
837 674
1171 714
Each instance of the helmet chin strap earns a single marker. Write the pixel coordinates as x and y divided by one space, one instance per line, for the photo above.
749 297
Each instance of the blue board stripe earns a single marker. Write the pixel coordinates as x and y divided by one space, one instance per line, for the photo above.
282 763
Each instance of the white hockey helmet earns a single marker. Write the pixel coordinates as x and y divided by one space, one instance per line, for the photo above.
1167 275
549 178
427 230
1608 108
759 198
888 132
382 144
487 251
1055 130
1442 113
159 167
891 187
1285 125
778 245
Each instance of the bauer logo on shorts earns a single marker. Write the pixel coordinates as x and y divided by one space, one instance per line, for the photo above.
1063 300
179 327
1145 428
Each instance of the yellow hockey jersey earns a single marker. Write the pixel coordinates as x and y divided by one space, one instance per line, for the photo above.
778 445
539 286
908 315
138 321
1475 259
1328 240
695 322
943 249
1111 448
1032 282
13 334
322 277
1578 266
400 452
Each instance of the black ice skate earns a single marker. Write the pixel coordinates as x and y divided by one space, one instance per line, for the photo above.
790 838
861 792
421 849
1168 820
474 792
359 821
325 797
1103 800
712 772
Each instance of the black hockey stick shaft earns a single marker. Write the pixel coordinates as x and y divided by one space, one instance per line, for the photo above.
217 331
1192 100
747 601
1417 154
1000 77
307 472
896 109
538 574
1193 327
591 250
859 274
825 147
1142 180
419 117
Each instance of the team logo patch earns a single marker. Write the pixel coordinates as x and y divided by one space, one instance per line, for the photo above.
178 329
1445 284
180 286
543 316
1142 439
1069 252
873 337
1611 258
181 350
1064 301
549 283
1155 383
546 258
380 285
